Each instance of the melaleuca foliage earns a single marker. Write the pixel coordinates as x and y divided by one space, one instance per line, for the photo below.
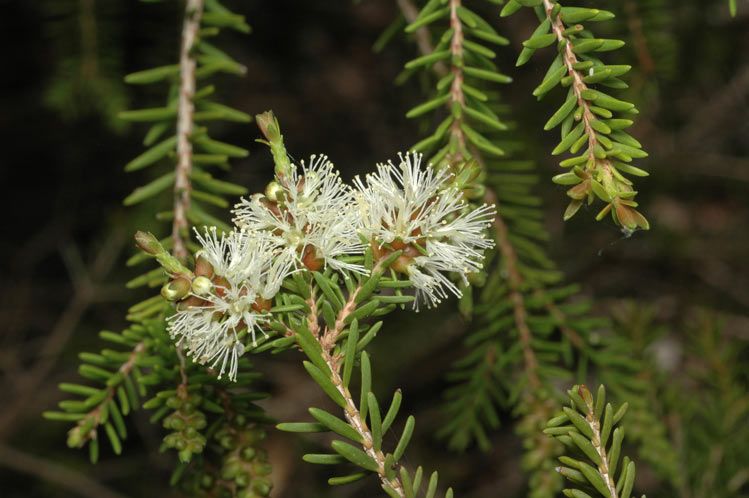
592 122
142 368
528 328
589 430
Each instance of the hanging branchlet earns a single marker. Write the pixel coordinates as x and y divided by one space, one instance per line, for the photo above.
588 428
180 152
512 350
142 359
592 122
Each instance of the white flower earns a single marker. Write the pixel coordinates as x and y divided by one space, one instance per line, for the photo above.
245 275
415 209
310 217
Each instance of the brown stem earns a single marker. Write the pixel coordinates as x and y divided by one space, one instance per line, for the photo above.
327 339
578 86
185 113
456 89
603 467
515 282
355 420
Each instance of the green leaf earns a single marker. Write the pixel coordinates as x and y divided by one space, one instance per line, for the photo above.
114 440
323 459
154 75
629 480
428 59
405 438
487 75
540 41
375 421
366 384
427 106
338 481
335 424
325 383
152 114
149 190
392 412
326 286
426 20
355 456
595 479
562 112
301 427
152 155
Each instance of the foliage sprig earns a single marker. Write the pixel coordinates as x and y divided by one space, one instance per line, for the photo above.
592 122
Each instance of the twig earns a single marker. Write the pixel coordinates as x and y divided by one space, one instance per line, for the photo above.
506 249
327 339
578 86
603 467
185 113
353 416
66 477
515 282
456 89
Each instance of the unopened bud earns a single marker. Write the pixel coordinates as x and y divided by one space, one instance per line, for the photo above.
202 286
176 289
268 125
203 267
148 242
274 191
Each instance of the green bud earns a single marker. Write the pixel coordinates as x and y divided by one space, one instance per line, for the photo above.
176 289
202 286
274 191
270 128
148 243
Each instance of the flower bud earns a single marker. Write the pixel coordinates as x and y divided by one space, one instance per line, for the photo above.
176 289
274 191
202 286
203 268
148 243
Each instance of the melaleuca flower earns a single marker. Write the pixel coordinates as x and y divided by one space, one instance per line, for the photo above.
415 209
308 214
237 275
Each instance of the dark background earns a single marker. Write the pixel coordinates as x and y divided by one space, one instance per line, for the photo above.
67 234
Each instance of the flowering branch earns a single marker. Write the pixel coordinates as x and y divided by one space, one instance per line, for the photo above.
185 124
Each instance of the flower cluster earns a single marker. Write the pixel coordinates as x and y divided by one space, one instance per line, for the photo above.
236 276
417 210
308 216
307 220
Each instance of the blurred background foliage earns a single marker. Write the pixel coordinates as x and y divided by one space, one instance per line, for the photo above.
678 294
